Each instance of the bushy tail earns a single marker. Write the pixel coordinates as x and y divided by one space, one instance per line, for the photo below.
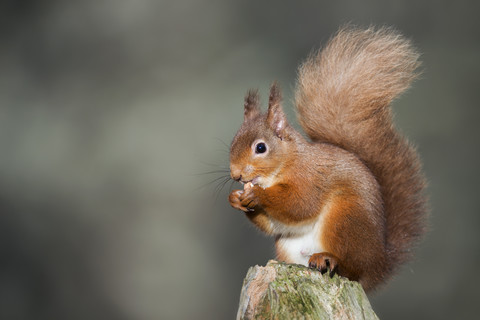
343 97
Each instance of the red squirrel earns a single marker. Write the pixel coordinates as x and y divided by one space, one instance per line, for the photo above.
350 200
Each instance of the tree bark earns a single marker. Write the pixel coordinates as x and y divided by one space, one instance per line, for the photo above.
286 291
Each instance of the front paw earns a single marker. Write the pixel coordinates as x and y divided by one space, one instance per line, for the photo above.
248 199
324 262
235 199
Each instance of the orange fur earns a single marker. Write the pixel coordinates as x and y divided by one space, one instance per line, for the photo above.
260 219
343 98
351 199
350 230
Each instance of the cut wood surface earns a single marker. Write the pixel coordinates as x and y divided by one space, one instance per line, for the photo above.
288 291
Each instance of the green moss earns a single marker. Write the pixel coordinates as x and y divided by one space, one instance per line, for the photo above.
301 293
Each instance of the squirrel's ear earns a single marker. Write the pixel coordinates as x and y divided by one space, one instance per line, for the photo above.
275 117
252 109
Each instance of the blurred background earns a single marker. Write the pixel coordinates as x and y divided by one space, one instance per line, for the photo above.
110 110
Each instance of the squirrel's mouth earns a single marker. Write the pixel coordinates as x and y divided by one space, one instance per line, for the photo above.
253 182
249 184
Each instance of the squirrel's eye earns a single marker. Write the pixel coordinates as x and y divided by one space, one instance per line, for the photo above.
260 148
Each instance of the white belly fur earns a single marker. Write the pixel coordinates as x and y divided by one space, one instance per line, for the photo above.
299 242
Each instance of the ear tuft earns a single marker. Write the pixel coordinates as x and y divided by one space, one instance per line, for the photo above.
276 119
275 97
252 101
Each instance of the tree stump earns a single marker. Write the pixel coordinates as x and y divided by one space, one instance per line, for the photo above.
287 291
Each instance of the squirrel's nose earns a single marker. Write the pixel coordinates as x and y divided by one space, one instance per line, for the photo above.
237 177
235 174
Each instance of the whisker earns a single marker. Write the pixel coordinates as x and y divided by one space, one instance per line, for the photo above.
223 142
213 165
231 185
213 181
220 187
210 172
221 182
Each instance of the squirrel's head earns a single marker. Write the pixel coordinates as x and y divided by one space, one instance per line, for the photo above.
263 142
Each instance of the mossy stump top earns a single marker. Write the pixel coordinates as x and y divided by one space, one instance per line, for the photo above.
288 291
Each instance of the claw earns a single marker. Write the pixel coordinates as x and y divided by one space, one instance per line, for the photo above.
324 263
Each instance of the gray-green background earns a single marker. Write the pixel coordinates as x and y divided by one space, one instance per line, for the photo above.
108 109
